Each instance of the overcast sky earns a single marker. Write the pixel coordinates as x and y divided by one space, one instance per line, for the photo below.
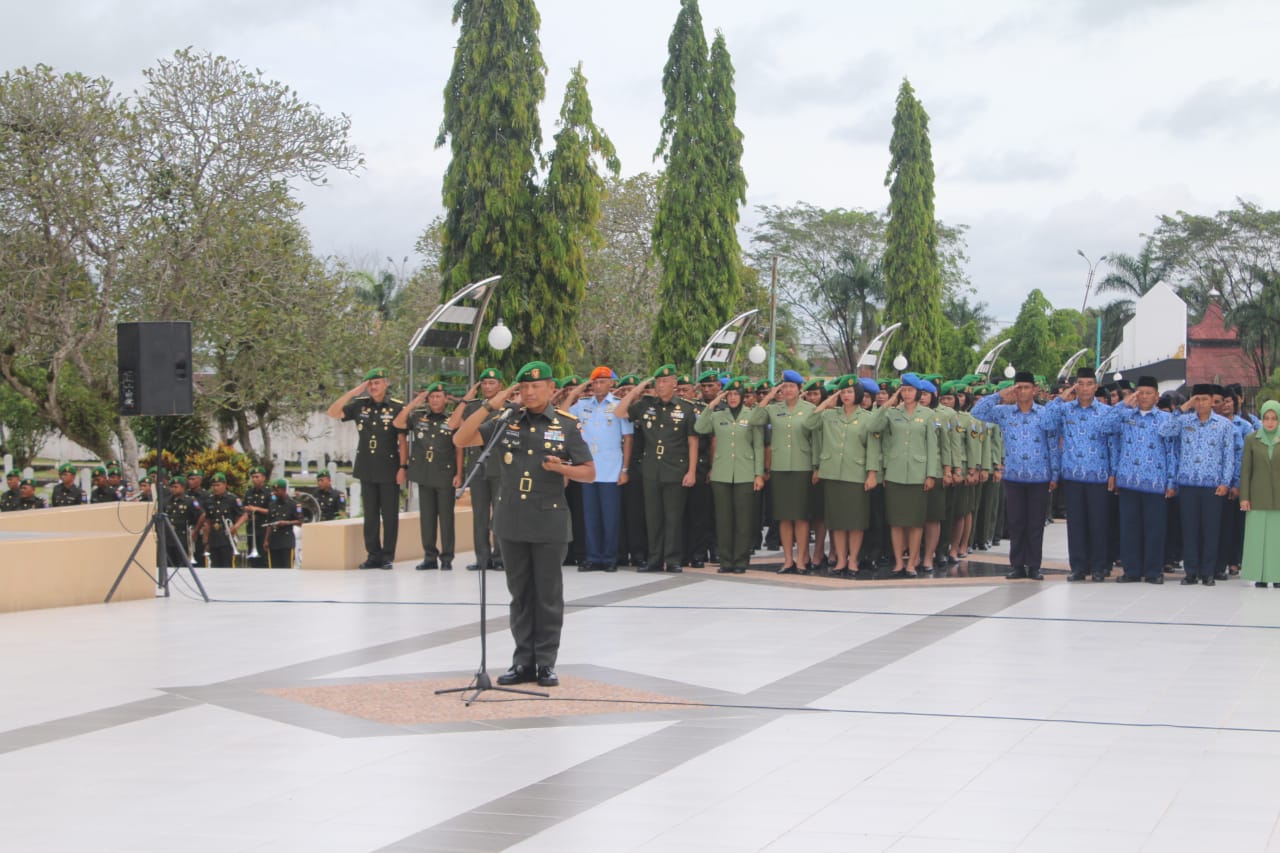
1055 127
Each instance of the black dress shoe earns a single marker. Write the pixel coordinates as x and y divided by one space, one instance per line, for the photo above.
369 564
1260 584
1221 576
547 677
1158 579
518 674
386 566
1075 576
697 564
446 565
589 567
674 568
788 570
1034 574
1275 586
1017 575
650 568
1188 581
427 565
1102 578
742 570
610 567
495 566
473 567
1124 579
728 570
1209 582
640 561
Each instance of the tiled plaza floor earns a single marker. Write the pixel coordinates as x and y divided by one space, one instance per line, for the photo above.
798 714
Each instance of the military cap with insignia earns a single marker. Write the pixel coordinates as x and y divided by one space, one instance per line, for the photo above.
737 383
869 385
602 372
376 373
28 482
535 371
258 469
218 477
627 380
99 471
14 473
195 472
847 381
815 382
665 370
708 376
280 483
66 467
323 472
491 373
792 376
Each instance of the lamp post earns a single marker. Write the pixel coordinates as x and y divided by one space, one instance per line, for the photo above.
1088 285
500 336
899 363
1009 372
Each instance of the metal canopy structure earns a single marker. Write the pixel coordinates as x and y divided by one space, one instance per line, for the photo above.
989 360
874 353
722 347
1065 372
452 333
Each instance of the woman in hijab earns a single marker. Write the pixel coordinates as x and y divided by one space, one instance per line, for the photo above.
737 473
1260 500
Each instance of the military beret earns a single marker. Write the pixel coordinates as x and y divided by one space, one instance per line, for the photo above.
376 373
430 387
926 385
970 379
572 379
847 381
869 384
815 382
280 483
258 469
792 376
665 370
153 470
195 472
147 480
935 378
491 373
535 371
113 469
602 372
28 482
684 379
99 472
738 383
219 477
15 473
323 472
1008 383
563 381
629 379
65 467
763 385
911 379
708 376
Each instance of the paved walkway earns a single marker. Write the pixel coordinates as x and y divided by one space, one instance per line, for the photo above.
727 713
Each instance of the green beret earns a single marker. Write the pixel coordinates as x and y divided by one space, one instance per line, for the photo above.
258 469
113 469
219 477
894 384
491 373
195 472
763 385
708 376
1008 383
935 378
535 371
562 381
429 387
146 480
684 379
15 473
738 383
153 471
376 373
846 381
28 482
99 472
65 467
280 483
814 383
629 379
665 370
970 379
323 472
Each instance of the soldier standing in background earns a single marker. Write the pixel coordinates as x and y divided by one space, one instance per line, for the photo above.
435 465
66 492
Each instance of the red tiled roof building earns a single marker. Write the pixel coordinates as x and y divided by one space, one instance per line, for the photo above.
1214 354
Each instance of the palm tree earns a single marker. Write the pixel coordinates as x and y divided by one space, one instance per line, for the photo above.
1132 277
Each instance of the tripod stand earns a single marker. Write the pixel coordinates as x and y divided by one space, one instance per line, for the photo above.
481 682
163 527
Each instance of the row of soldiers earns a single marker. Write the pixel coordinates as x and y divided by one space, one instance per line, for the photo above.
107 486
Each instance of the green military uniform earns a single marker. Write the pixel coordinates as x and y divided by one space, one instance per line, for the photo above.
280 539
738 459
791 460
184 513
331 501
531 520
9 500
258 497
31 501
909 443
483 488
101 491
667 428
63 494
222 512
850 450
432 465
377 465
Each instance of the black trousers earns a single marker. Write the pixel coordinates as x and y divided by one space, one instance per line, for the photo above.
699 523
1231 535
1025 507
633 539
1088 525
577 553
536 583
664 518
1201 519
484 493
280 558
1143 517
381 503
258 524
435 510
221 556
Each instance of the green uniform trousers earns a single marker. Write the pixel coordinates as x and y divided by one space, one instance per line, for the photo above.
664 519
536 583
435 504
735 522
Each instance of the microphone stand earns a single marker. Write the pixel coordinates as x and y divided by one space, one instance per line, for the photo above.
481 682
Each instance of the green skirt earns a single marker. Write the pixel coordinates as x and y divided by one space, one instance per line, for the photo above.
791 495
904 504
817 502
935 502
1261 546
848 505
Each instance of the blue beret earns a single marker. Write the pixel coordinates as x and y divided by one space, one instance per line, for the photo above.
870 385
912 380
926 385
792 376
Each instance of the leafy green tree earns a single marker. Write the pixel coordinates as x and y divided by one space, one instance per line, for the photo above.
23 429
1258 323
1220 254
1031 346
1132 276
491 125
913 280
568 213
183 435
694 234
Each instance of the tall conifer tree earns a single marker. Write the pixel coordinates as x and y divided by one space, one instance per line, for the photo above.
491 124
568 213
694 235
913 278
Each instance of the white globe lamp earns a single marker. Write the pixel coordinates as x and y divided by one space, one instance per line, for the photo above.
500 337
757 354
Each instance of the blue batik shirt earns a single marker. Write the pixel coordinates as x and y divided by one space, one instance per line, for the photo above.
1243 429
1206 450
1148 460
1085 454
1028 455
602 430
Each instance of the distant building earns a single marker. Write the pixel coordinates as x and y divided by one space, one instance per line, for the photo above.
1154 342
1214 354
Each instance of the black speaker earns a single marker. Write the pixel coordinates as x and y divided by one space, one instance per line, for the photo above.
154 364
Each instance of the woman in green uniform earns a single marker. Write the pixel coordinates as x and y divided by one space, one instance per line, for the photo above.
737 473
790 466
1260 500
909 443
847 467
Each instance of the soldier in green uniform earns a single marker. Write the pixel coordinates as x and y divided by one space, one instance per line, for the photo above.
223 515
912 466
483 486
791 467
198 493
737 473
283 515
633 539
144 490
333 503
699 513
257 501
115 481
9 500
65 491
382 458
102 491
435 465
670 463
27 497
186 515
848 465
539 449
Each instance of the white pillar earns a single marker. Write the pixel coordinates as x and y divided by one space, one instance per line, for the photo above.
355 506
